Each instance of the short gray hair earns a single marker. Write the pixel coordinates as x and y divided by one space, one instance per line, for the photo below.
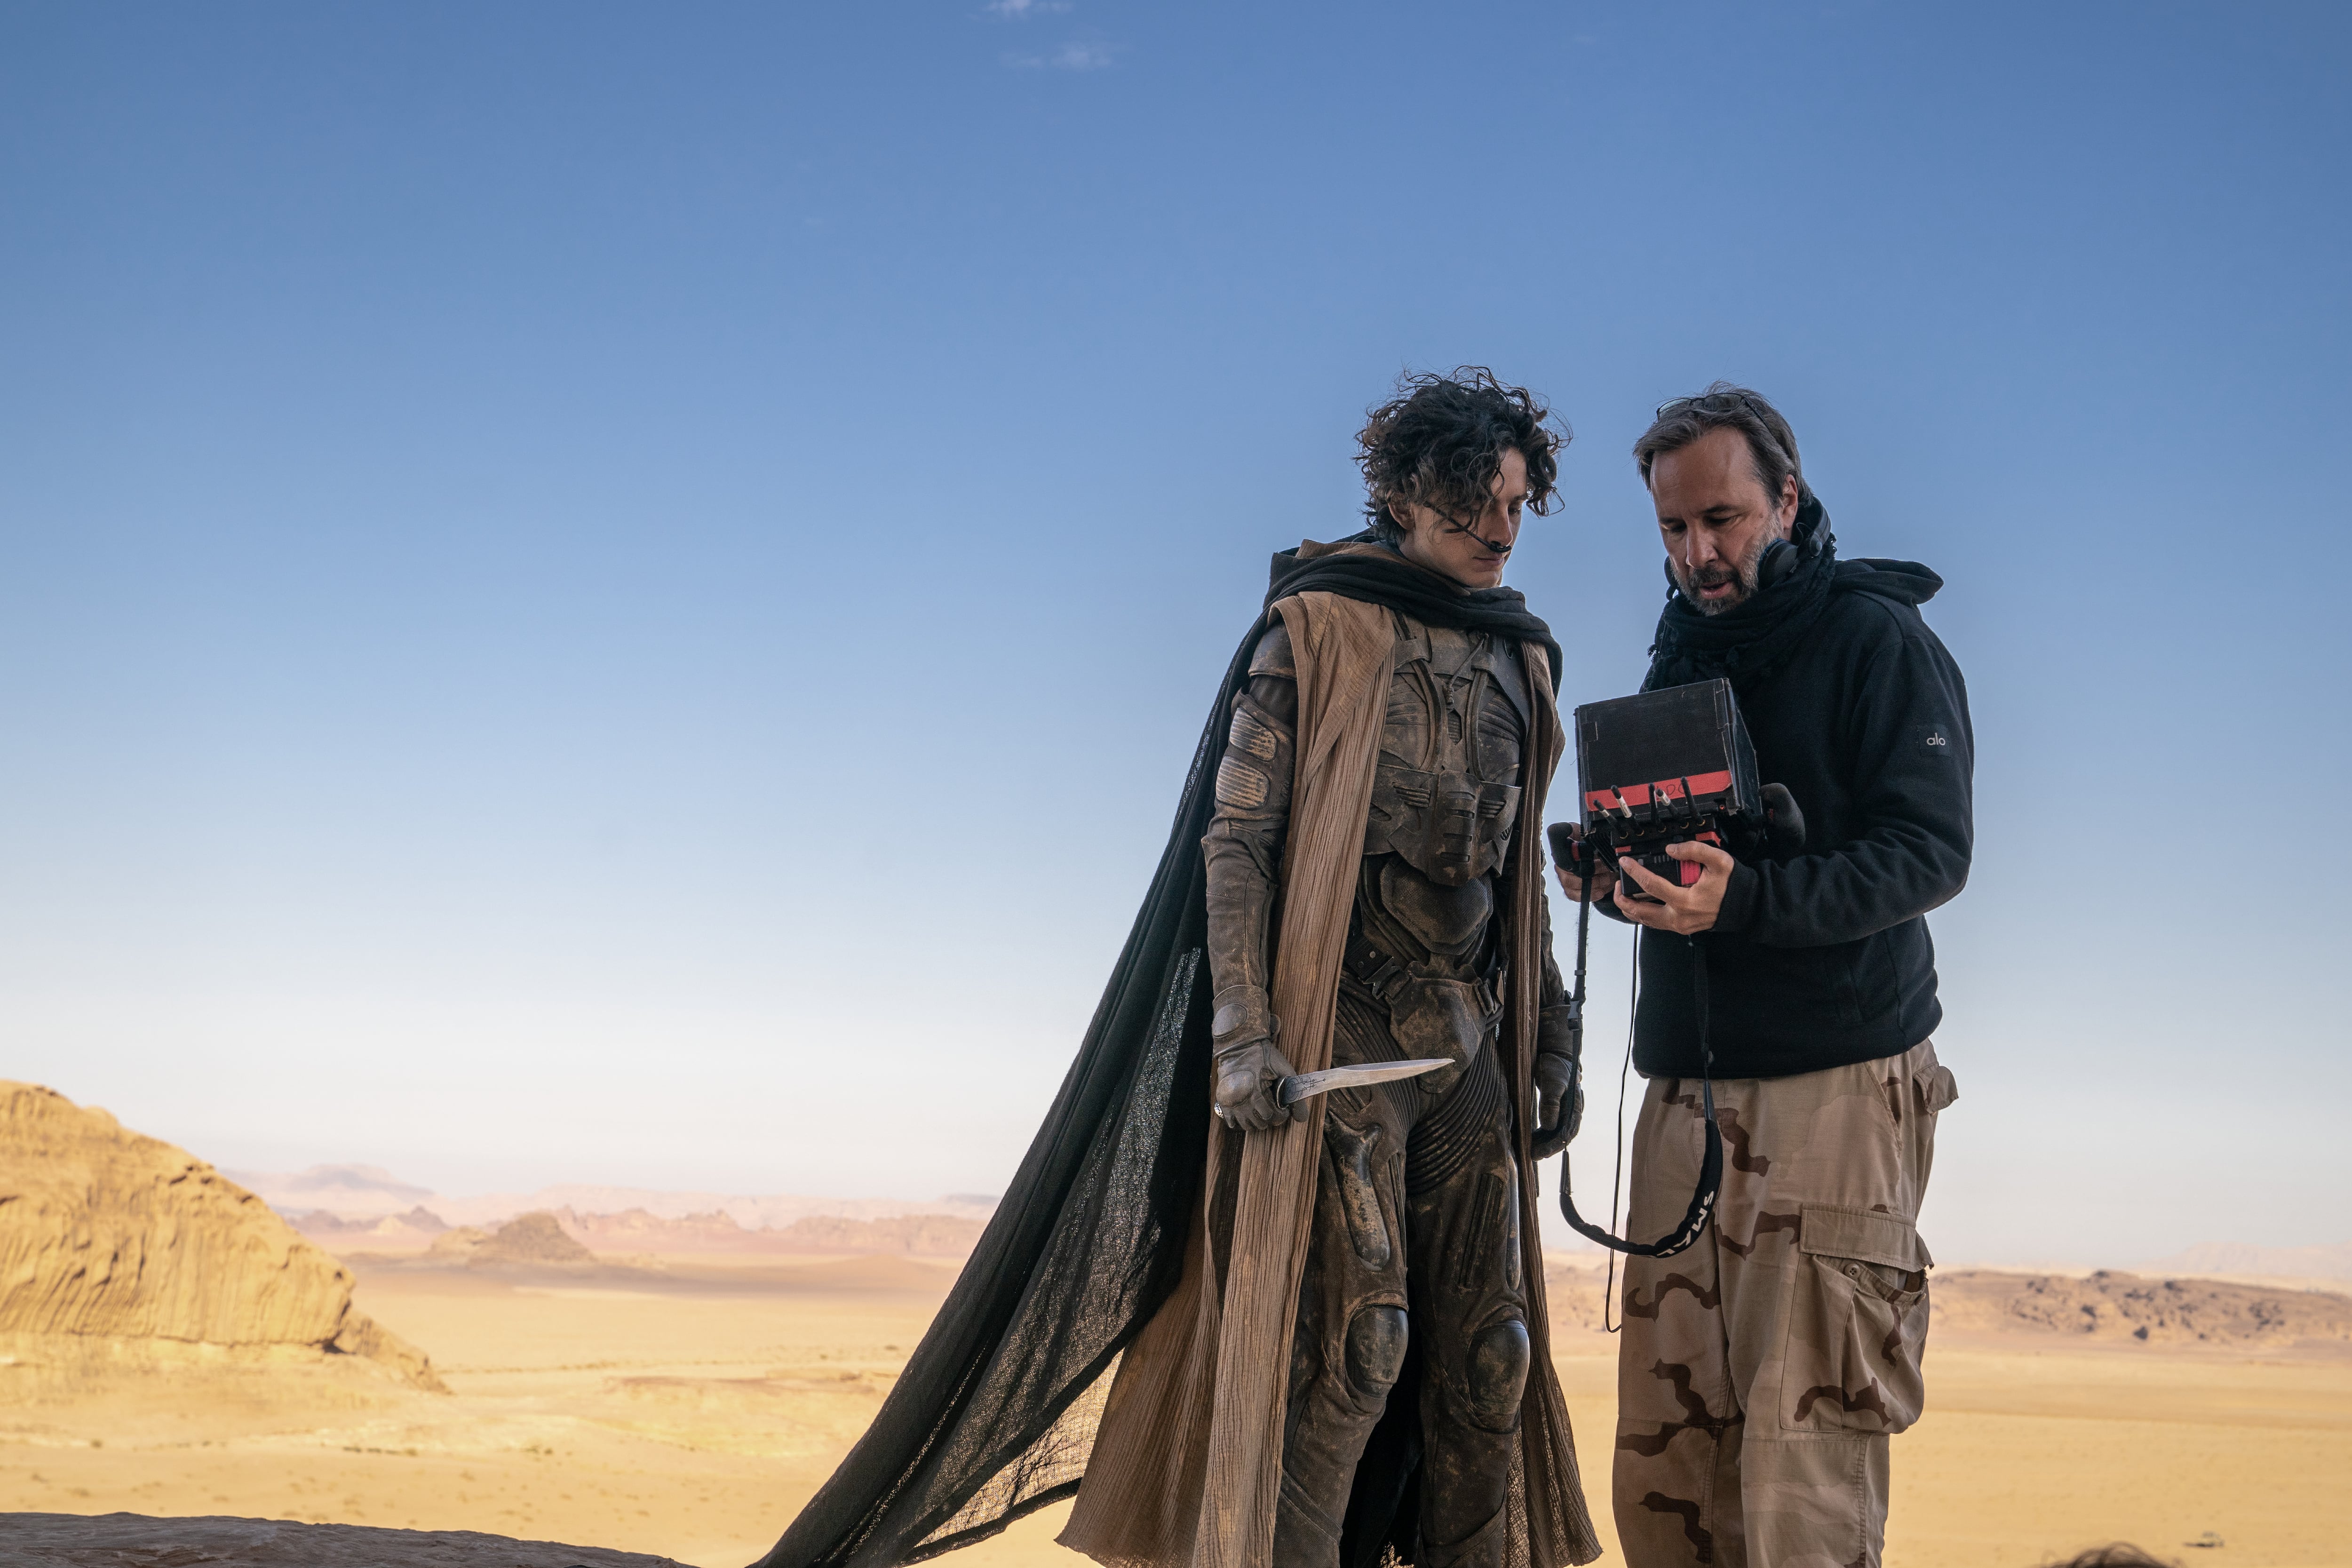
1723 406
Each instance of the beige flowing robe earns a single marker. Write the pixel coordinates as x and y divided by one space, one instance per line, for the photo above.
1187 1463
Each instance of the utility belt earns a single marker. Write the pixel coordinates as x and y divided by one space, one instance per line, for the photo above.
1385 978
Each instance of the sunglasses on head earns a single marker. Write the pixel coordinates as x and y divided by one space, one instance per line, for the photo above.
1676 405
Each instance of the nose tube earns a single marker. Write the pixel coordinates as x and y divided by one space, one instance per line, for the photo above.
1503 530
1483 529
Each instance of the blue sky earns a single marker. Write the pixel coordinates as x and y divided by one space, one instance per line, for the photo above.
621 594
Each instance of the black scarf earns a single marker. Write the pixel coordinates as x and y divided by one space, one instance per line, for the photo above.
1749 641
1392 582
1755 637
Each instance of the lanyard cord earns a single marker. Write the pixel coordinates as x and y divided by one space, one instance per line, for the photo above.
1711 1173
1625 1071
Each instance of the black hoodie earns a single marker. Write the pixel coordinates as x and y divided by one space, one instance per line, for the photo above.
1821 957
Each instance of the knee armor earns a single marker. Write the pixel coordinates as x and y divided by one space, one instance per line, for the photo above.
1497 1375
1376 1342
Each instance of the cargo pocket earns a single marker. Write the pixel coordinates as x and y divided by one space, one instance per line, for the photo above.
1857 1324
1937 1089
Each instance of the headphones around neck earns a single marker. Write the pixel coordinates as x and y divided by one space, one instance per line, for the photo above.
1780 559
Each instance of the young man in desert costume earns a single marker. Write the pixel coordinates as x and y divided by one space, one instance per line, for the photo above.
1307 1334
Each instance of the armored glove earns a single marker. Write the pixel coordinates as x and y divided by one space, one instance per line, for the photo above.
1248 1066
1558 1083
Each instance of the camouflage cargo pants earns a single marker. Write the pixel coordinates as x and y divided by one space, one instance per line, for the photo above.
1762 1372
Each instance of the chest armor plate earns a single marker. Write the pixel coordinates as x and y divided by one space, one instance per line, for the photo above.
1446 792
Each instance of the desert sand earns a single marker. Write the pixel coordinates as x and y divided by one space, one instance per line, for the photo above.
173 1349
686 1408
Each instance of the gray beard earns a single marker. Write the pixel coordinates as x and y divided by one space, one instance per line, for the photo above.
1708 576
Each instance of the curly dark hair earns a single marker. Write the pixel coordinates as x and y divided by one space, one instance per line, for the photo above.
1441 440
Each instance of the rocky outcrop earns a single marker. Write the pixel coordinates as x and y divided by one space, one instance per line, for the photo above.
109 1236
1575 1292
2134 1307
457 1244
637 1230
415 1229
133 1541
530 1239
563 1237
527 1241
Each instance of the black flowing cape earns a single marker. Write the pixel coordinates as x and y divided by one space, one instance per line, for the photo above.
994 1413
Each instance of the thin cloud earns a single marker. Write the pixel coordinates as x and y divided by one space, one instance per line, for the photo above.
1071 57
1021 10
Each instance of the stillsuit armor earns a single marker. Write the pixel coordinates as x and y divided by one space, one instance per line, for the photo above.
1415 1259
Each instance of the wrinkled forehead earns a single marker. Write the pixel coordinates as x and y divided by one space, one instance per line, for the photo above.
1714 471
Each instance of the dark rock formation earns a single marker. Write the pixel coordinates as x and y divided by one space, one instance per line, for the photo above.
135 1541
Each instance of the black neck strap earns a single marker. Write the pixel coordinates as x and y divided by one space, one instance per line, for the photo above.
1710 1166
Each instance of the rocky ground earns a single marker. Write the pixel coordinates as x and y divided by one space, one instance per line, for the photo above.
133 1541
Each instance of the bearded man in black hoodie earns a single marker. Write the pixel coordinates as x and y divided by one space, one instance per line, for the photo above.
1763 1371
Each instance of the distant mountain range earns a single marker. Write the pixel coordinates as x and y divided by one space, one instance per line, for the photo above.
371 1193
633 1232
2326 1261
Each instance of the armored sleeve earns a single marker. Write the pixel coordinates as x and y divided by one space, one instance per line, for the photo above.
1243 843
1555 1025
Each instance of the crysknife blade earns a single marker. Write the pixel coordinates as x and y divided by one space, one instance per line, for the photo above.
1306 1085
